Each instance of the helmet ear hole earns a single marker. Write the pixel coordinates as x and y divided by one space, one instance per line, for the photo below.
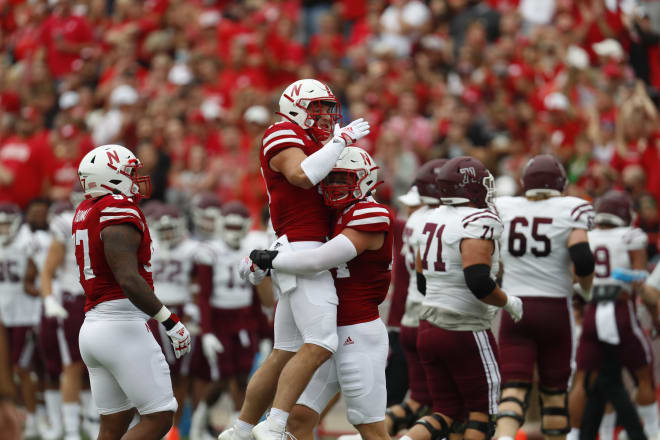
115 181
93 159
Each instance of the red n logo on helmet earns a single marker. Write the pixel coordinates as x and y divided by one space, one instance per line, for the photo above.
112 155
295 90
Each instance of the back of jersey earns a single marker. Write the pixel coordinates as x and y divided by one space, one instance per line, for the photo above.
454 306
534 243
91 217
610 248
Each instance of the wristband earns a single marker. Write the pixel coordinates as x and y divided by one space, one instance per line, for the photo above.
165 317
162 314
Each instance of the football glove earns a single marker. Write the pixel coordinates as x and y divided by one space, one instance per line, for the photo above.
211 345
353 132
248 271
514 307
263 259
53 309
179 336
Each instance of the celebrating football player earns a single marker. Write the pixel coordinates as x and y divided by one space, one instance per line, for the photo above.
296 154
127 368
545 235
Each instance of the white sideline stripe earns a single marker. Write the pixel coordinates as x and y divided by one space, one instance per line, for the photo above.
490 367
281 141
277 133
119 217
368 221
369 211
634 323
571 317
111 210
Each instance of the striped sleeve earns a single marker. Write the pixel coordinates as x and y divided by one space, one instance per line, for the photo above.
280 137
482 224
369 217
119 211
581 214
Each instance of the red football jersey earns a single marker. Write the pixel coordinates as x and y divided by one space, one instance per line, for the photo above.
91 217
299 213
362 283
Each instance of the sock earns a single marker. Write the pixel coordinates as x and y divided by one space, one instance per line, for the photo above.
30 419
277 419
405 437
243 430
649 416
71 412
506 437
574 434
607 425
199 418
53 401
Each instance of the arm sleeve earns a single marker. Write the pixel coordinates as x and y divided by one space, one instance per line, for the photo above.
582 259
205 280
337 251
317 165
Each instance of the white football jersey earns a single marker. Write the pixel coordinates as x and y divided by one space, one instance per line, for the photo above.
455 306
409 247
68 274
534 243
17 308
229 290
610 248
258 240
171 269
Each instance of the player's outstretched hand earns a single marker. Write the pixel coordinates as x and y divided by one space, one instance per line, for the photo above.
180 337
250 272
211 345
263 259
514 307
53 309
353 132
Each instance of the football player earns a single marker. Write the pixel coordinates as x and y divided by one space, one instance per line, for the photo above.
457 260
610 317
296 154
544 238
172 271
206 215
127 368
361 255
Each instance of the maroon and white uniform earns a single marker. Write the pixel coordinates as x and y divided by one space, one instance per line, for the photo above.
357 369
306 311
126 365
455 344
613 322
538 269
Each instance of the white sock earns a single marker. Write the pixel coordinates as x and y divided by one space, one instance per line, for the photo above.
53 401
30 419
71 412
243 430
649 416
574 434
607 425
506 437
277 419
405 437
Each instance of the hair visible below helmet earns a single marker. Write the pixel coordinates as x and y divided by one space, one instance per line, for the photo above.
236 222
353 177
425 181
543 175
302 103
465 180
168 224
207 215
614 208
10 222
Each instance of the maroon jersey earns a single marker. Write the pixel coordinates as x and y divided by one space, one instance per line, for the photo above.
362 283
299 213
91 217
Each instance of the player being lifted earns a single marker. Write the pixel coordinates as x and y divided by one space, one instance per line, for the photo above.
296 154
127 368
457 262
545 236
361 254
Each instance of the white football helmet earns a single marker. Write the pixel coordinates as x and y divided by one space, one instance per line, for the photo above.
112 169
303 103
235 223
10 222
353 177
206 215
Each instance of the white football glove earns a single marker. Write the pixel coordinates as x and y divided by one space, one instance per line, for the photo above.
514 307
53 309
250 272
180 337
352 132
585 294
211 345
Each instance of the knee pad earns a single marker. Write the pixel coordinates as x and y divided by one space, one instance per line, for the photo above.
408 419
554 411
487 428
520 418
436 434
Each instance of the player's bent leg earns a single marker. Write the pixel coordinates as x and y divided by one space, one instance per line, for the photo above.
114 426
577 399
555 423
302 421
373 431
513 406
152 426
647 406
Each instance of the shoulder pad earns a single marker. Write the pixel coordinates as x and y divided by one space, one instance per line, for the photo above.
368 217
116 209
482 224
579 212
281 136
635 239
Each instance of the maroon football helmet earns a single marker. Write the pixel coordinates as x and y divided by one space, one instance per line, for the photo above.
150 207
614 208
543 174
425 181
235 222
59 207
10 222
206 214
168 224
465 180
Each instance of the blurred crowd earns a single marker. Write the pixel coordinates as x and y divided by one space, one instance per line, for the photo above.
190 86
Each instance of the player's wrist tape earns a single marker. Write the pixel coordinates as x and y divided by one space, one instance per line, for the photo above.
167 318
582 259
316 166
478 280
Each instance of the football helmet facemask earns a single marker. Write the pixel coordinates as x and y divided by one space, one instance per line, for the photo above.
353 177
